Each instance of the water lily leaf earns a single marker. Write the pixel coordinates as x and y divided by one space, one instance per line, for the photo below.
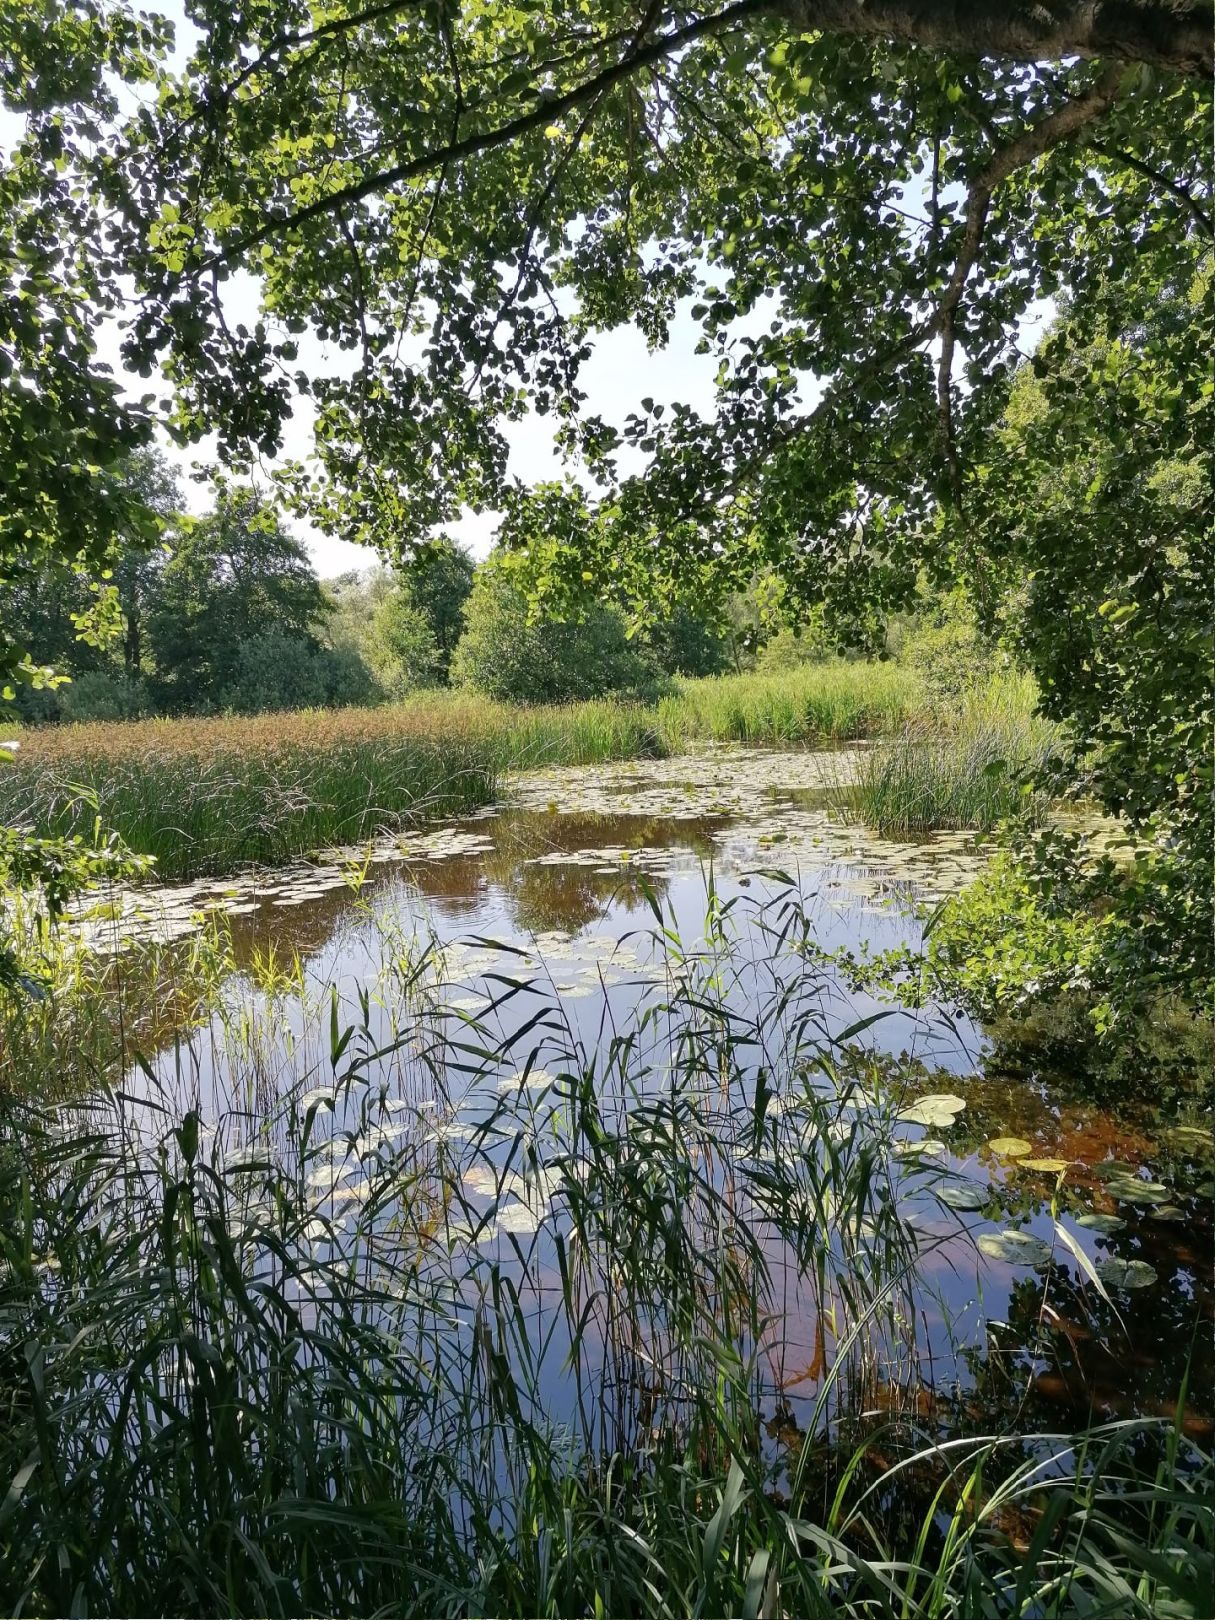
1130 1190
1114 1170
1198 1137
1016 1248
1104 1224
1010 1147
927 1148
1047 1166
1168 1212
965 1196
1125 1273
939 1109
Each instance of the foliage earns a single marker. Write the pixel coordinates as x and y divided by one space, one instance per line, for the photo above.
81 625
276 670
438 585
67 424
1074 952
683 644
401 645
100 695
234 577
510 654
1098 487
808 643
948 651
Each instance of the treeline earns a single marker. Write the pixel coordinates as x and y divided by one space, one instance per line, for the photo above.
229 616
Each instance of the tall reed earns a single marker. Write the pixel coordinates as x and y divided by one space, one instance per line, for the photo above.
981 771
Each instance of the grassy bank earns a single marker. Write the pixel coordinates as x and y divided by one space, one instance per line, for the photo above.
210 796
388 1331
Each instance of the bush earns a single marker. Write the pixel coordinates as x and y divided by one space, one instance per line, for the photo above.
98 696
948 652
278 671
790 649
506 655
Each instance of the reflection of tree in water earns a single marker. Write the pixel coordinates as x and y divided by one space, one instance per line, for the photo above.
569 895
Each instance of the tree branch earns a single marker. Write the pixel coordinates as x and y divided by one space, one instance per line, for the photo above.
1182 192
546 111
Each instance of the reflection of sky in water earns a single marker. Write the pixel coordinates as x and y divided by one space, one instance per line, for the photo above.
1039 1339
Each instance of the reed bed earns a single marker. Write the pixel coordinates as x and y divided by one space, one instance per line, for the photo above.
356 1304
925 779
204 797
834 701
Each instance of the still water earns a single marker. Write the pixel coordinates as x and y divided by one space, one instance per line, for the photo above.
553 919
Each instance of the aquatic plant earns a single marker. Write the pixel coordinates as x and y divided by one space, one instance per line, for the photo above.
988 767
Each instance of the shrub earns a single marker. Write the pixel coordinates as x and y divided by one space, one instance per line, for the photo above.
96 695
279 671
507 655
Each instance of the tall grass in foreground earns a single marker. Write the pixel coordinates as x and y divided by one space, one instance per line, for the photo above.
392 1317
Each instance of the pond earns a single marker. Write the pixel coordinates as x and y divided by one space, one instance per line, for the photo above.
444 995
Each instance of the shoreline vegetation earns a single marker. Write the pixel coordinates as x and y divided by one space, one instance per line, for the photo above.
205 797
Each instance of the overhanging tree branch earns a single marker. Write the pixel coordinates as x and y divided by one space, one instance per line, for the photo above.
1174 34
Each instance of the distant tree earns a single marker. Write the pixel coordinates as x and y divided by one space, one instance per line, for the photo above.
509 654
684 644
438 585
282 671
235 577
401 645
84 625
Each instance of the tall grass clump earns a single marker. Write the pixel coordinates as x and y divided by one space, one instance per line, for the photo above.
209 796
361 1303
924 778
831 701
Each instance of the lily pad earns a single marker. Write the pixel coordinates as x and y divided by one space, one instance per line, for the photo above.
1016 1248
1047 1166
1130 1190
938 1109
1104 1224
1125 1273
1115 1170
1010 1147
1168 1212
965 1196
927 1147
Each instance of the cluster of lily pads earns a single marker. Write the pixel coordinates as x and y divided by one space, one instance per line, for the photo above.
1120 1183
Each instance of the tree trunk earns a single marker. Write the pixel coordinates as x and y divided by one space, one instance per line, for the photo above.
1176 36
